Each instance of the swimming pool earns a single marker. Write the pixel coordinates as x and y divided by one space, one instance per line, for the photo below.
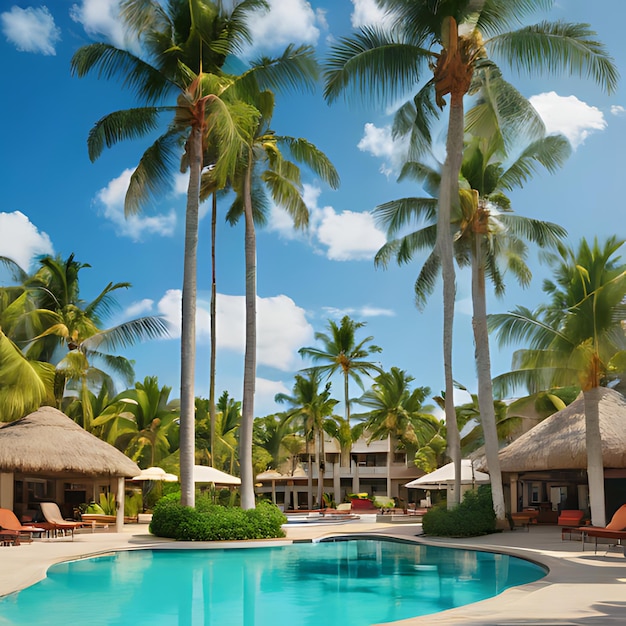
357 583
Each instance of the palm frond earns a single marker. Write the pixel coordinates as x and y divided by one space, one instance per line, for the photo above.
127 334
305 152
557 47
398 214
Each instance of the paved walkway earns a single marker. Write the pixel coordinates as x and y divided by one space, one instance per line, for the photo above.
581 588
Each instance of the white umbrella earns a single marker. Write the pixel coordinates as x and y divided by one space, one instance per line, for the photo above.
444 476
156 473
205 474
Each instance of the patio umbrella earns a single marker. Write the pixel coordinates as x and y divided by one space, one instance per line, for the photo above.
205 474
444 476
156 473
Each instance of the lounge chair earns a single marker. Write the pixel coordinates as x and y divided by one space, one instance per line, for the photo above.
9 538
9 521
54 519
570 517
615 529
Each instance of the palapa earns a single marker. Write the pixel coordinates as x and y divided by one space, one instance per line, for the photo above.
49 442
558 443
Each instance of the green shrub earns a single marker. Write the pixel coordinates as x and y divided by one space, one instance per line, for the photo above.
214 522
473 517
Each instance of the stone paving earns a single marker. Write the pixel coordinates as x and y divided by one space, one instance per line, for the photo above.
582 587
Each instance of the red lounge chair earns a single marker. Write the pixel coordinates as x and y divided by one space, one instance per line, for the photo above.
9 521
570 517
9 538
615 529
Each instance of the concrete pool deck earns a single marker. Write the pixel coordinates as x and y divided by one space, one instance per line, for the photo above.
581 588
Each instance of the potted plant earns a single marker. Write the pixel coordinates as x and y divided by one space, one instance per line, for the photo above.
361 501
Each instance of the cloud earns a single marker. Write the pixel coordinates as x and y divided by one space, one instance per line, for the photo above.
101 17
21 241
364 311
31 30
282 328
379 143
265 390
345 236
349 236
111 198
139 309
568 115
366 13
617 109
287 21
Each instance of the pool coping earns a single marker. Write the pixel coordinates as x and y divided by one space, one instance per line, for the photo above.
580 587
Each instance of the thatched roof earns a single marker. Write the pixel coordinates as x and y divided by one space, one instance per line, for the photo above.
49 442
558 443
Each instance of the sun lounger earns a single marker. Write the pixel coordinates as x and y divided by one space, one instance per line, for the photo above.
9 521
9 538
52 514
614 530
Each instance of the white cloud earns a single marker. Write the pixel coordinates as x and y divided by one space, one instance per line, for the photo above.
21 241
139 309
345 236
568 115
617 109
379 143
364 311
101 17
265 390
349 236
282 328
366 13
31 30
112 199
287 21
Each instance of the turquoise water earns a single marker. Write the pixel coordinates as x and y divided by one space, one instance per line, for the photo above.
345 583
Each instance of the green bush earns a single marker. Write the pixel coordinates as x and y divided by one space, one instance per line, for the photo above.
214 522
473 517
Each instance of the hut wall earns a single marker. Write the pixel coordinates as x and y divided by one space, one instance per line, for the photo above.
6 491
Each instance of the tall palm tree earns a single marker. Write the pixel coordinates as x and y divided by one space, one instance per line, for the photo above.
277 436
312 407
576 338
397 413
186 44
441 44
341 353
266 172
488 237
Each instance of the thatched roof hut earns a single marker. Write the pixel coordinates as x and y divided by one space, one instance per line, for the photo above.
49 442
558 443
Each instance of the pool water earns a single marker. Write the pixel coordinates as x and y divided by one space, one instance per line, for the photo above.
344 583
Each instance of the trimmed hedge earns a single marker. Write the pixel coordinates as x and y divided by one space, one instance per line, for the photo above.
474 516
213 522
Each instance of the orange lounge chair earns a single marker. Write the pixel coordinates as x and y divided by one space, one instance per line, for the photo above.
54 519
570 517
9 538
615 529
9 521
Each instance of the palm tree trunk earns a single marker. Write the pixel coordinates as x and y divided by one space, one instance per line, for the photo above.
595 462
346 396
449 193
249 374
213 328
188 323
483 370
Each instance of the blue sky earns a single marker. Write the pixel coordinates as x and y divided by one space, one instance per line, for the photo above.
53 200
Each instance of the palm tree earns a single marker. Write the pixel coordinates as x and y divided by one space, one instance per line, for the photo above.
277 436
343 354
577 338
488 237
444 42
266 172
221 451
141 422
312 407
56 326
397 413
186 44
